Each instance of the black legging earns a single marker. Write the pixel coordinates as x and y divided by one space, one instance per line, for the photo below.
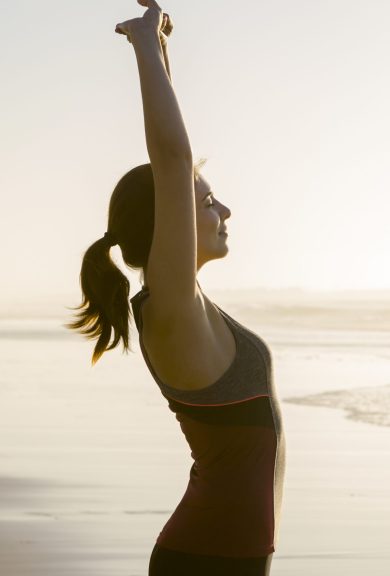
164 562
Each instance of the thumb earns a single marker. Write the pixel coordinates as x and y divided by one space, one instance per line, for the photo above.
120 29
149 4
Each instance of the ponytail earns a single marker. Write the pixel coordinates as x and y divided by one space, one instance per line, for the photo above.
105 289
105 301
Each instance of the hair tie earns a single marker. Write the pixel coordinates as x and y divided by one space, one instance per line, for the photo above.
110 239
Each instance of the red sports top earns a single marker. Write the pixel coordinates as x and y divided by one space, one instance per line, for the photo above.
232 503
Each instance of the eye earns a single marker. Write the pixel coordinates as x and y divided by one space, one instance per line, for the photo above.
208 205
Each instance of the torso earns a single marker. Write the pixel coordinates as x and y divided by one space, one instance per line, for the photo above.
196 353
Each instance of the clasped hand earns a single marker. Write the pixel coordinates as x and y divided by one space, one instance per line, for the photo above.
153 19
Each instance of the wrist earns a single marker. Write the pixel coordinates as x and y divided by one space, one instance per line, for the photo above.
144 36
163 40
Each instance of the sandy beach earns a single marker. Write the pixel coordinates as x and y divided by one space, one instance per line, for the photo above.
93 463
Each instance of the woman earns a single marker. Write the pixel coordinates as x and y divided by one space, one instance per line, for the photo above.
215 373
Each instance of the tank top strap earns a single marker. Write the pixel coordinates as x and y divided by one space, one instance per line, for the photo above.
136 302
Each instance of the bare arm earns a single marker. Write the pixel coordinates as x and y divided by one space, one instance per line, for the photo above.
164 126
166 60
164 34
171 267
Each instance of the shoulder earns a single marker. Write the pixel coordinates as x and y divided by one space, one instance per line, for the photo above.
193 315
185 352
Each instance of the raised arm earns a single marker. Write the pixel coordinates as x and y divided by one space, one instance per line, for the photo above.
165 31
164 46
163 121
171 270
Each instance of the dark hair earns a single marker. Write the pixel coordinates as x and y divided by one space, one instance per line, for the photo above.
105 289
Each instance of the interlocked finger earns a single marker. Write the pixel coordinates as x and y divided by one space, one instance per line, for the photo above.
167 26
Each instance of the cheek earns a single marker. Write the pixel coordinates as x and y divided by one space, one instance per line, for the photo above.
212 220
207 221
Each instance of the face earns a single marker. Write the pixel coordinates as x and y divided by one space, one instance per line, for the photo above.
210 222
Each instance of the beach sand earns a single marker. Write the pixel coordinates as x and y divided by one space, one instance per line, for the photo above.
93 462
335 514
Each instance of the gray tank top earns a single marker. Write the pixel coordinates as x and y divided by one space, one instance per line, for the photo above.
234 429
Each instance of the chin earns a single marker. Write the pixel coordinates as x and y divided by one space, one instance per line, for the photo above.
221 253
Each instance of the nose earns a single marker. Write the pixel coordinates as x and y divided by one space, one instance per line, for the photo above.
226 211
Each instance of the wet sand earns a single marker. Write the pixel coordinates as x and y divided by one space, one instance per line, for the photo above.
335 513
93 463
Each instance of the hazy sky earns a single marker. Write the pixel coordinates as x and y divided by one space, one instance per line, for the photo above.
288 100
